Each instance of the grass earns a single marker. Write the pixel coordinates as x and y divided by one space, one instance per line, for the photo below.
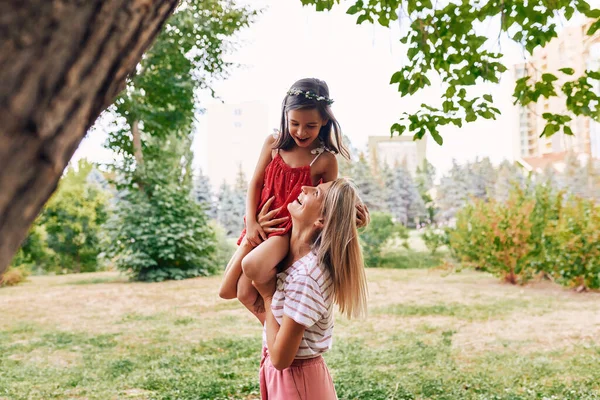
462 336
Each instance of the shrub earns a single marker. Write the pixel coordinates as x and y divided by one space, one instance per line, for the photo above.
381 229
14 275
434 239
495 236
573 251
161 236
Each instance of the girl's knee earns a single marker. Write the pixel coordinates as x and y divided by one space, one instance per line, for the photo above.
250 267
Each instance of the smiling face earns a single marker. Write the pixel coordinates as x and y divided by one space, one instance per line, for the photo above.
304 125
306 209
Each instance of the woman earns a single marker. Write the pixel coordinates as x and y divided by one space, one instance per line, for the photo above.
324 266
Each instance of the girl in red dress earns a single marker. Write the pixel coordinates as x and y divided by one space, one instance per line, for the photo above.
301 154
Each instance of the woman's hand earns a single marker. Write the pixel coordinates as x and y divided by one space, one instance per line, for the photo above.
266 289
362 215
254 232
265 218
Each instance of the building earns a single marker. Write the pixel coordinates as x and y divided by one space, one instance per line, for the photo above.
235 135
571 49
397 150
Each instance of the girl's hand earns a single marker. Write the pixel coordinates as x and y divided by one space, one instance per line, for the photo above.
362 215
266 289
265 218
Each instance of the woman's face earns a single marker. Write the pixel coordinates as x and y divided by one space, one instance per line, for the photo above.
306 209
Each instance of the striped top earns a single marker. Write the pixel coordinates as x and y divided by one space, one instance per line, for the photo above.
305 294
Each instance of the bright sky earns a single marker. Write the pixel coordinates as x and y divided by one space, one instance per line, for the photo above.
289 42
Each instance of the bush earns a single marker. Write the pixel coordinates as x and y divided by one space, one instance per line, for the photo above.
14 275
535 232
225 247
410 260
573 258
161 236
495 236
434 239
373 238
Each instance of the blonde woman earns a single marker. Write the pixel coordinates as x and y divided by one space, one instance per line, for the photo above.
324 267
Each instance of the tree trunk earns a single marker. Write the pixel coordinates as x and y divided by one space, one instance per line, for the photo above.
137 143
61 64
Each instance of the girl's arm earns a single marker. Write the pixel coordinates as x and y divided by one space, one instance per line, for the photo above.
282 341
329 167
254 232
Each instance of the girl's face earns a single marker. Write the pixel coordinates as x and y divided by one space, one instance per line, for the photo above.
304 126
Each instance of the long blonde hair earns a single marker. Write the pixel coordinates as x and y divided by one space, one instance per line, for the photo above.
338 248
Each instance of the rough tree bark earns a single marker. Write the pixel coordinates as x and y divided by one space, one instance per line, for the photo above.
62 62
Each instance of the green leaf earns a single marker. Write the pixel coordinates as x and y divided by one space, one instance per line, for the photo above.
593 28
436 136
568 130
488 98
567 71
397 77
549 78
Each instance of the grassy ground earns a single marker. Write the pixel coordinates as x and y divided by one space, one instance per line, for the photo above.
463 336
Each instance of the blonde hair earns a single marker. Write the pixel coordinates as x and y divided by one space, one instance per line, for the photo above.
338 249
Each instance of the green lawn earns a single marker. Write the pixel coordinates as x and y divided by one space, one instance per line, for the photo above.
463 336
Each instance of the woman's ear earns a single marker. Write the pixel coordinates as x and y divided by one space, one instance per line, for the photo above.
319 224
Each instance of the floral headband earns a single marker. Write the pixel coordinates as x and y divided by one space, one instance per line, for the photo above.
309 95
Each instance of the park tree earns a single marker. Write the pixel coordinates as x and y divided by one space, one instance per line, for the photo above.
444 39
202 193
160 232
453 191
369 187
63 65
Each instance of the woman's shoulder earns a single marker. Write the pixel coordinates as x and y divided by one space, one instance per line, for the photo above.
308 268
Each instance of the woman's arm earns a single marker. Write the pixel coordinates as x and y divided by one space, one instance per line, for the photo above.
282 341
254 232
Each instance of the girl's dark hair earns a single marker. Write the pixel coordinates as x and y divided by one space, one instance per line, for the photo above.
330 134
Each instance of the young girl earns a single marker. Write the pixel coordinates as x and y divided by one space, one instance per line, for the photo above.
324 267
302 154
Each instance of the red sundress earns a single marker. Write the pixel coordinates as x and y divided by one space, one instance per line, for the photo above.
285 183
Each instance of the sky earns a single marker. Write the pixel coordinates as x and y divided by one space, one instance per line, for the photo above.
289 42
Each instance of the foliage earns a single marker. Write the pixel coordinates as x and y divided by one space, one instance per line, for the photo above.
424 177
231 209
14 275
369 188
537 231
202 193
434 239
443 39
380 231
402 197
453 191
161 233
73 222
225 247
574 245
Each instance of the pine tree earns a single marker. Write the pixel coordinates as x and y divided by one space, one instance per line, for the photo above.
453 192
508 177
228 211
371 192
574 177
482 178
402 197
202 193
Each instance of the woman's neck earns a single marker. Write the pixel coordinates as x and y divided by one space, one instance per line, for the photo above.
300 245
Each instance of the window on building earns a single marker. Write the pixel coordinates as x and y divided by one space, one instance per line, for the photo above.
237 111
237 124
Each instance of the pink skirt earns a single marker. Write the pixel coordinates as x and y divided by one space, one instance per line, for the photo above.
304 379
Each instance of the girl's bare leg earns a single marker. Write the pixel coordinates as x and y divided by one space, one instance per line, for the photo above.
233 271
260 265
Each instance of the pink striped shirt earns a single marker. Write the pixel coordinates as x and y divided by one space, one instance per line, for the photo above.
305 294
